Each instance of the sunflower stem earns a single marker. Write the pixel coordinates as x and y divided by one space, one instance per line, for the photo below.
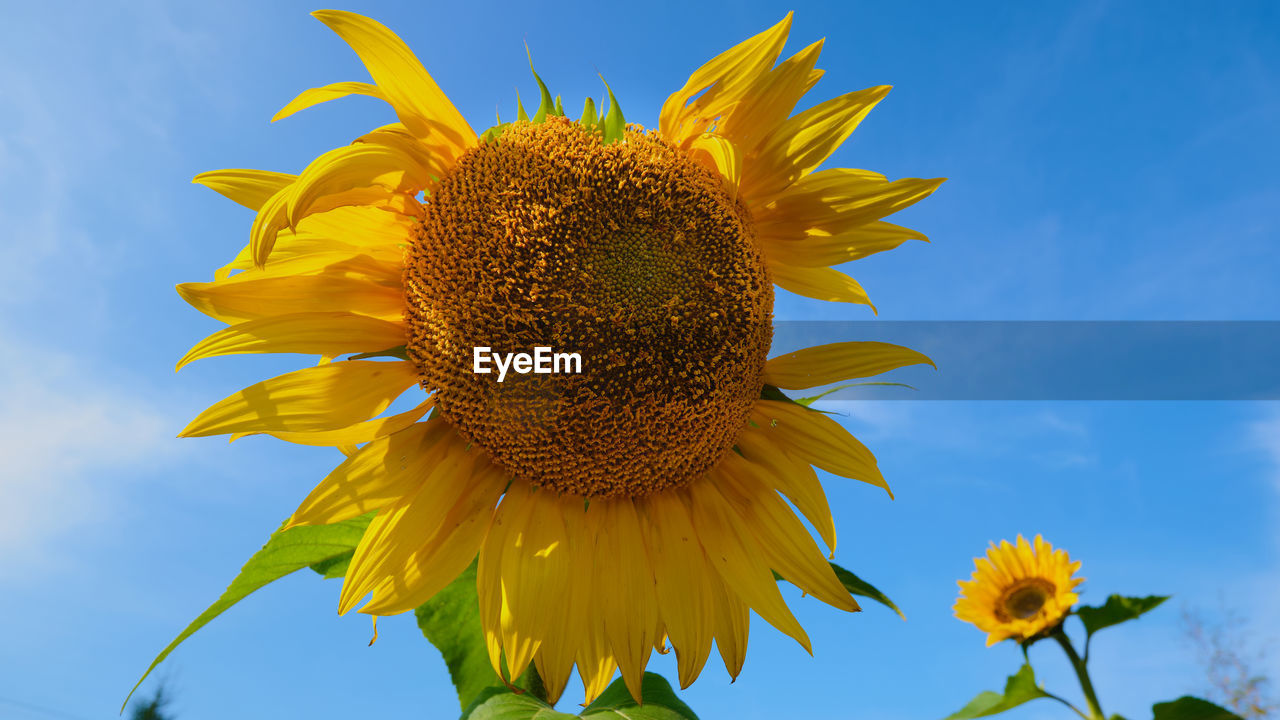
1082 672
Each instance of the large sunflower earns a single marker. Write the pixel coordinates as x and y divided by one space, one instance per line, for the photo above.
1019 591
640 501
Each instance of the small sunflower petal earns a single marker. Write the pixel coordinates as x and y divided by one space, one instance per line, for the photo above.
819 283
250 188
819 440
331 334
410 89
332 91
826 364
325 397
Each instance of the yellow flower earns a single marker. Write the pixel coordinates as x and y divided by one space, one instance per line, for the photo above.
640 500
1019 592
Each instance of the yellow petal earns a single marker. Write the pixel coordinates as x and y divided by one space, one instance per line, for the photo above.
407 524
331 334
355 167
566 629
449 551
792 478
732 626
826 364
375 476
250 188
418 101
489 588
535 575
820 283
356 434
720 156
333 91
272 217
595 661
838 200
684 598
768 102
786 543
800 144
325 397
377 230
818 440
626 591
819 247
724 79
304 253
233 302
738 559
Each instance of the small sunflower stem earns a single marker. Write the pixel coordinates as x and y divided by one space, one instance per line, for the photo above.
1082 672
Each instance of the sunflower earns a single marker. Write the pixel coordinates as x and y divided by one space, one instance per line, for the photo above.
640 501
1019 591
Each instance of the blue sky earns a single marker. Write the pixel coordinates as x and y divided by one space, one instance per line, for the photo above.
1106 161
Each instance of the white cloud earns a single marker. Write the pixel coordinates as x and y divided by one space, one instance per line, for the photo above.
62 426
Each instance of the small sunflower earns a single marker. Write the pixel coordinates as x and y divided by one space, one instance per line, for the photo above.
1019 591
641 501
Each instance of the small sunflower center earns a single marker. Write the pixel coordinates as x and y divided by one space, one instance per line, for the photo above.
1025 600
630 255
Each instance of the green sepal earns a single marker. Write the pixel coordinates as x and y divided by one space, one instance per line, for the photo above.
862 588
400 351
769 392
856 586
615 703
559 107
1116 610
807 401
1018 689
493 133
286 551
1191 708
589 118
546 105
521 115
613 123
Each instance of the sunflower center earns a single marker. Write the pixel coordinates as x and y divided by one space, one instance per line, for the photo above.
631 256
1024 600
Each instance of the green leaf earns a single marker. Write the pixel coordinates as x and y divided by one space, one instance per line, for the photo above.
660 702
615 703
614 124
286 551
509 706
451 621
1191 708
1117 609
862 588
1018 689
334 567
546 105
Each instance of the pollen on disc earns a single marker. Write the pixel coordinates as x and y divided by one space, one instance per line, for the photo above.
629 254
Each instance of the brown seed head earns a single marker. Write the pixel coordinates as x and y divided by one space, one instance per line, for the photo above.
631 255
